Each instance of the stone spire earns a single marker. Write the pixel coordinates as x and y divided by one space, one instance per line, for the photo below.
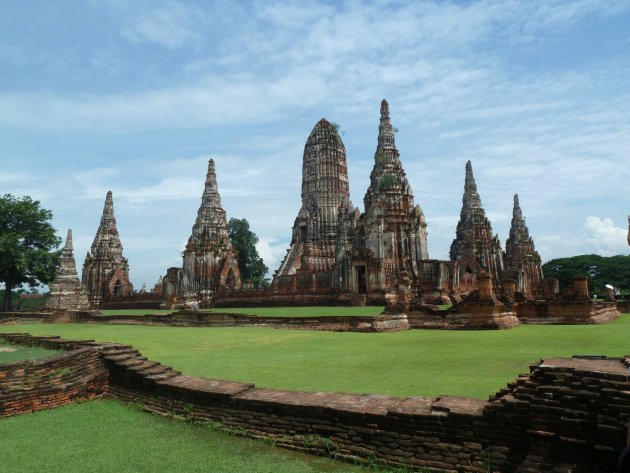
522 261
395 227
66 292
107 241
474 247
325 191
471 199
211 218
518 230
106 270
209 260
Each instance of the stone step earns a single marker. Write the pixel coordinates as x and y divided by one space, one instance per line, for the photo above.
157 369
123 357
163 376
132 362
119 351
142 366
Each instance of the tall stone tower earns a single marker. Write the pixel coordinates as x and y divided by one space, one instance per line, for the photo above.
474 247
390 237
209 260
395 228
522 261
66 292
105 269
325 191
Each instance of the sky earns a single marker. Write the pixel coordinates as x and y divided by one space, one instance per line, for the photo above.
136 96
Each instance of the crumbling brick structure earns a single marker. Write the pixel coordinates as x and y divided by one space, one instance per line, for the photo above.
66 292
105 269
209 260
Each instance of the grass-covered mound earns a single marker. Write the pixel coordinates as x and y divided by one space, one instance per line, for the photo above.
10 353
106 436
409 363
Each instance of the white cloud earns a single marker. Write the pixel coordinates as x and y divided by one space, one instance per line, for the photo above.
604 237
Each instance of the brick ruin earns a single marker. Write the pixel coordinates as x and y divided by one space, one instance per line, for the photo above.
66 292
339 255
390 237
209 260
564 416
309 262
105 269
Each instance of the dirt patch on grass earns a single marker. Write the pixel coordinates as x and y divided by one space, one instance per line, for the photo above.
7 349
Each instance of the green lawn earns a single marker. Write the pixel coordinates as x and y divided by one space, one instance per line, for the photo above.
409 363
106 436
266 311
11 353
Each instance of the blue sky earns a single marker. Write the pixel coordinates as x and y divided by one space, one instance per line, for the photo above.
136 96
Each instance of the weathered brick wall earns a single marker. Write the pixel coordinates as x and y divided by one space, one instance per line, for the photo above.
566 312
380 323
567 415
28 386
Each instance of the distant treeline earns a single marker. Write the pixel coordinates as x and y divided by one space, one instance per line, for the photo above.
600 270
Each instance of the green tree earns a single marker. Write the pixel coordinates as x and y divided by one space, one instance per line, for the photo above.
27 245
600 270
250 264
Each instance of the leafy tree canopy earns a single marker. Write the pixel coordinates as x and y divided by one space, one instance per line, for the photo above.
250 264
27 244
600 270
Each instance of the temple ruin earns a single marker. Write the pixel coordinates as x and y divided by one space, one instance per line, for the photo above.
474 248
309 262
209 260
339 255
66 292
105 270
522 261
390 236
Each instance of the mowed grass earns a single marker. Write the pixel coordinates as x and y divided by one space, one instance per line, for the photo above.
409 363
319 311
106 436
10 353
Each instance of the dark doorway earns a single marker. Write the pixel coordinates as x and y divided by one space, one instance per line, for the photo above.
117 287
362 285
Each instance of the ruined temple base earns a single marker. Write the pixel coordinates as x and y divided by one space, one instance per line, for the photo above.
67 316
464 316
566 312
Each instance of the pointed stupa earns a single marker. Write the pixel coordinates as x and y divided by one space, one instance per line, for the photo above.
66 292
209 260
325 192
522 261
395 227
211 218
105 269
475 247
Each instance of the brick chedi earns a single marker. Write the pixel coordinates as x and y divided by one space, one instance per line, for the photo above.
522 261
390 236
475 247
105 269
325 194
209 260
66 292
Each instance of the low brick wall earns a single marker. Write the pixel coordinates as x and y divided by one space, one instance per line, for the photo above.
566 415
566 312
379 323
29 386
